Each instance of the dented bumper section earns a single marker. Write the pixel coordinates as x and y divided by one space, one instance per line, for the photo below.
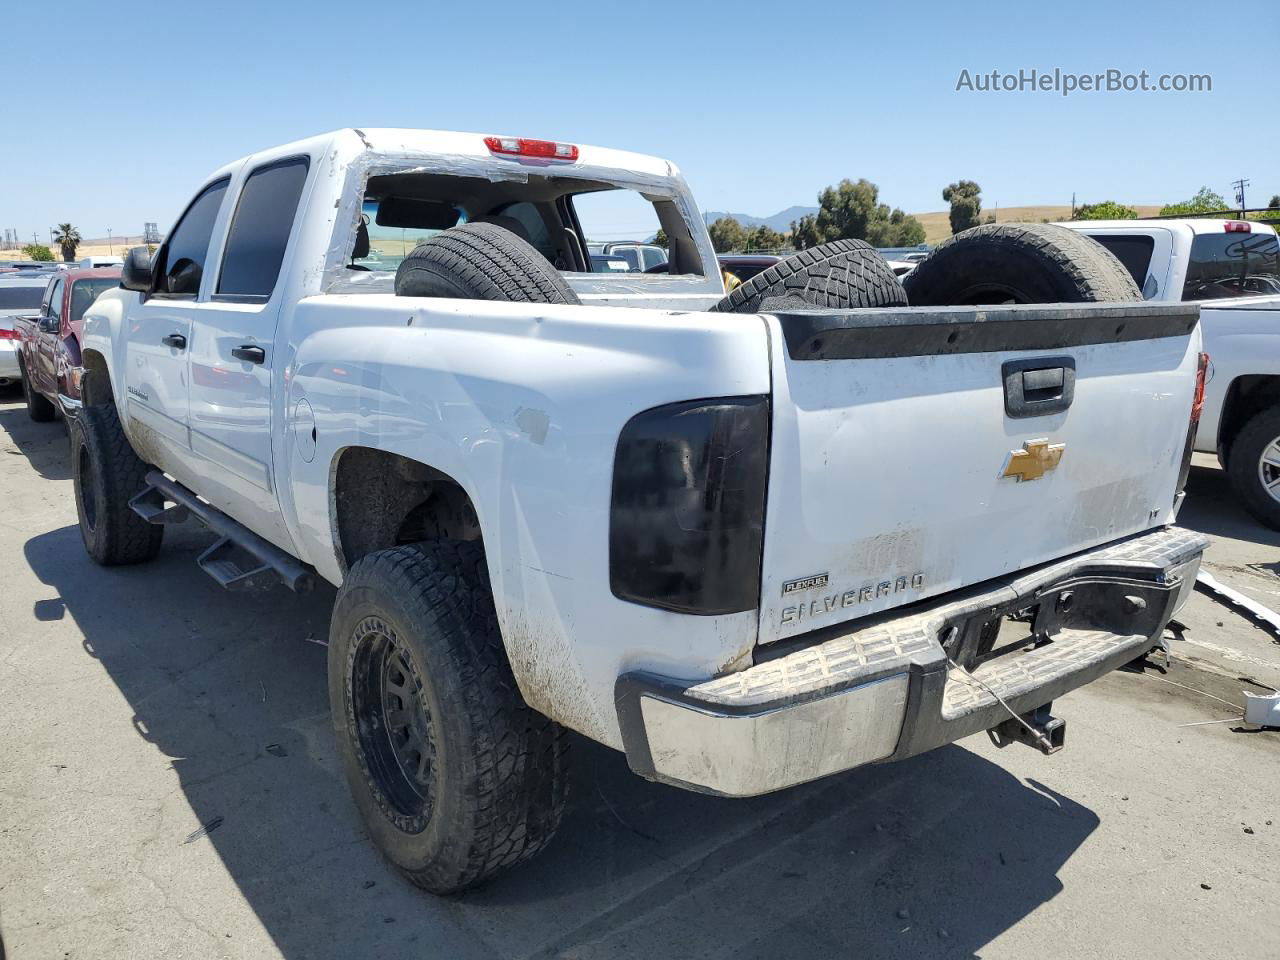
885 689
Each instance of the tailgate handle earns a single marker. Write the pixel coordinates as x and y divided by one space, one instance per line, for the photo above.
1038 386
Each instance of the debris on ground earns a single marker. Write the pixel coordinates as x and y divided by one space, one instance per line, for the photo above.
1262 710
1256 611
204 831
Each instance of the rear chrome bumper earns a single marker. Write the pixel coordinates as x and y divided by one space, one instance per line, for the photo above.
882 689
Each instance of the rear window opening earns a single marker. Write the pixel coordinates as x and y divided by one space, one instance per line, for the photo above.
1133 251
580 226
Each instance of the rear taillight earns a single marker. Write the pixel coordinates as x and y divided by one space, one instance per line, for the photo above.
1197 403
1197 406
686 525
1236 226
8 334
517 147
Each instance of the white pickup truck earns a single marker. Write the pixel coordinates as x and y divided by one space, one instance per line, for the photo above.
749 549
1233 268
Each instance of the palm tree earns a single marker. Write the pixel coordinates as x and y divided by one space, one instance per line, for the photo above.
68 238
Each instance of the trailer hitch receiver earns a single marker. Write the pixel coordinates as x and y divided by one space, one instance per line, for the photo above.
1037 728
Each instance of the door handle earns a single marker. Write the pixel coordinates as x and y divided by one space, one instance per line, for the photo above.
1038 386
249 353
175 340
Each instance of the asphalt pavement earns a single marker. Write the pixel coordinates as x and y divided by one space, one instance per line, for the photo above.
168 788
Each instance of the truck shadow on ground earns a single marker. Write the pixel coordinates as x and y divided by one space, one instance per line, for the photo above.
45 445
935 856
1212 507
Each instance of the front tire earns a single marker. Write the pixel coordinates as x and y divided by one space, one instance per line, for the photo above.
107 474
1254 466
455 777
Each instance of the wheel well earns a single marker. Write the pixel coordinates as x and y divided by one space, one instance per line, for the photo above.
1246 397
95 384
384 500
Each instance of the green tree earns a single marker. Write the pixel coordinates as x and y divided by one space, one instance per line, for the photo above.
38 251
965 198
1275 202
660 238
763 237
1205 201
68 238
1106 210
727 235
852 210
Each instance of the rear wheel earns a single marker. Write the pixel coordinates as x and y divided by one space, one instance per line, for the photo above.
836 275
1254 466
39 408
107 473
1019 263
455 777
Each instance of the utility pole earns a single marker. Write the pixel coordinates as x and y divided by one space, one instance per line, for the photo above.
1073 204
1240 185
111 250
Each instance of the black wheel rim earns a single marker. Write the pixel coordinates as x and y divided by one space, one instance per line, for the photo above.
393 724
88 504
987 294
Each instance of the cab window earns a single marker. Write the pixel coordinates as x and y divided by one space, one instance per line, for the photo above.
180 263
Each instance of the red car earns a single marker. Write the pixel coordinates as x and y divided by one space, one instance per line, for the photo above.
49 344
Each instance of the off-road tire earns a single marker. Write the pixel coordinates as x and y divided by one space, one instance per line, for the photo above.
1244 465
39 408
107 473
1019 263
837 275
481 261
496 786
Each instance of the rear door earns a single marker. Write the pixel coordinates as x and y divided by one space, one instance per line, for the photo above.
916 452
159 334
232 358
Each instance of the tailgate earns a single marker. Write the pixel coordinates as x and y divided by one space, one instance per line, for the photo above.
915 451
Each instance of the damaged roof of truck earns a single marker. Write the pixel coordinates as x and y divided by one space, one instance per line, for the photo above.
466 150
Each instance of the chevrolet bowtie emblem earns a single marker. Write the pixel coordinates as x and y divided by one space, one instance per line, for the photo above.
1034 460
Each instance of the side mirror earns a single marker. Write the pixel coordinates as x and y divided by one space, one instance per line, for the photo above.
47 325
136 273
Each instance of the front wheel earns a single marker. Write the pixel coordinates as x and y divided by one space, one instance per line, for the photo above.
1254 466
107 474
455 777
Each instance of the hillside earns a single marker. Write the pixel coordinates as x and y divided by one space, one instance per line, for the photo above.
937 225
780 221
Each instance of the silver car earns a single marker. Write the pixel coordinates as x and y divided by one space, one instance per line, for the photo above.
20 296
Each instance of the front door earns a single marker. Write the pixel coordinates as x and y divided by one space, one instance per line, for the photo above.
159 335
231 356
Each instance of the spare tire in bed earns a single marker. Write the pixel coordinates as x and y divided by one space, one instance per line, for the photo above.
481 261
1018 263
839 274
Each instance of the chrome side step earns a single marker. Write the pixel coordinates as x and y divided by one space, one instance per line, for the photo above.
240 559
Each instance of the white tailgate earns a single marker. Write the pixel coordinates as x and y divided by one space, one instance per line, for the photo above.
886 472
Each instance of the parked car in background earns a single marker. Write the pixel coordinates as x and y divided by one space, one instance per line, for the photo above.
1192 258
745 266
642 257
1233 266
48 342
20 295
92 263
610 263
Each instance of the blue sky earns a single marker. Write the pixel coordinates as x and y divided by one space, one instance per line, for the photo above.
760 104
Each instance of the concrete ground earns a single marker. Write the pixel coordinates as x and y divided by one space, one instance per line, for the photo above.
168 788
